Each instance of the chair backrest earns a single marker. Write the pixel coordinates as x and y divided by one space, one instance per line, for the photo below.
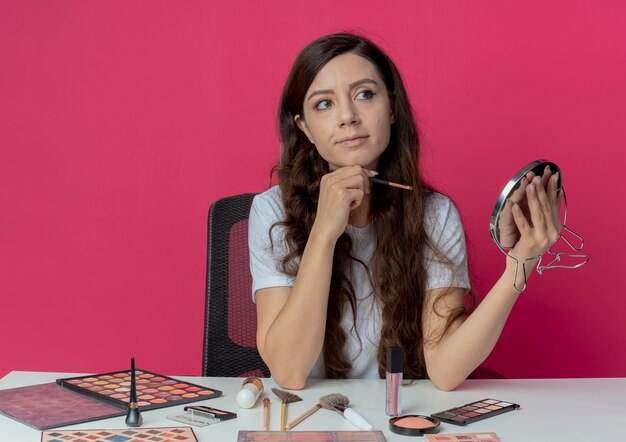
230 315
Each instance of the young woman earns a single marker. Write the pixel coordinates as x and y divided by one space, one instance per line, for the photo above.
343 267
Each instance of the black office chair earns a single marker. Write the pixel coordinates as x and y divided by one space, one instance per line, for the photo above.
485 373
230 315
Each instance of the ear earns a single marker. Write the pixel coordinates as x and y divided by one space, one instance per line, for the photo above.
392 102
303 127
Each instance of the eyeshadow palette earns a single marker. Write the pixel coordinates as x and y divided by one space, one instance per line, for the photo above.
165 434
201 416
153 390
49 405
311 436
474 411
462 437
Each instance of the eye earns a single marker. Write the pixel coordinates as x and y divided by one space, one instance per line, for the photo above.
365 95
322 104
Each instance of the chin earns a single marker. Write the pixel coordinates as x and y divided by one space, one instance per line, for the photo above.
366 163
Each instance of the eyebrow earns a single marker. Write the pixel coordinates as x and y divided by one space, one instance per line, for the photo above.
352 86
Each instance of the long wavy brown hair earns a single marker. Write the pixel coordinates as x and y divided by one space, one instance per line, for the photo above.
398 267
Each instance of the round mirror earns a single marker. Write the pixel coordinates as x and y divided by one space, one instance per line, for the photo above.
502 228
504 231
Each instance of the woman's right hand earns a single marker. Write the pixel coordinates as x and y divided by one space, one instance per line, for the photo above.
341 191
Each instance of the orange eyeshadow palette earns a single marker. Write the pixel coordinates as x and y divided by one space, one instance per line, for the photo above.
153 390
474 411
165 434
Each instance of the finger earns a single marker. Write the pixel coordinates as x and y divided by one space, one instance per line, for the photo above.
518 195
350 177
553 189
545 178
553 192
536 212
555 200
366 179
507 209
520 220
506 216
508 233
355 197
353 182
530 176
542 195
546 207
345 171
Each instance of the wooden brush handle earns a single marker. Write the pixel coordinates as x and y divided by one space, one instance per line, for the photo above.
283 416
303 416
266 414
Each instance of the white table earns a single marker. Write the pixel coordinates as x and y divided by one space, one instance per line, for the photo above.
552 409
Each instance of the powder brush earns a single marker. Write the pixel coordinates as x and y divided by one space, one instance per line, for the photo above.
339 403
286 398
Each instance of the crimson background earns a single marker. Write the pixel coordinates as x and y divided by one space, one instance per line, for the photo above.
121 121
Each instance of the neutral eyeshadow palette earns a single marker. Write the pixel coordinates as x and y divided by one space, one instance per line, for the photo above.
165 434
49 405
153 390
474 411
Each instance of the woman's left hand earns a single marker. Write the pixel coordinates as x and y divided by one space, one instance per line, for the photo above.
539 232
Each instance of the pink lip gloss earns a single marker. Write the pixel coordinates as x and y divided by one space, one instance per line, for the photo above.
395 366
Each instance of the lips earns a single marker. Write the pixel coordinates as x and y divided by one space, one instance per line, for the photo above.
354 140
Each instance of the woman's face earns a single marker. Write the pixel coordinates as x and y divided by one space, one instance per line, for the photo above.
347 113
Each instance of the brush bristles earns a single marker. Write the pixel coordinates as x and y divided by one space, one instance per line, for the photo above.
286 396
334 400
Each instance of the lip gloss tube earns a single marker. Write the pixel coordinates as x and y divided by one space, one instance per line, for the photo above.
395 366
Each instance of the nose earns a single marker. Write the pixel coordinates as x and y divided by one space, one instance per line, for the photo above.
348 114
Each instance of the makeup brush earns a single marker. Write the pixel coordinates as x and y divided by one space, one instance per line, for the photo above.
303 416
389 183
133 416
386 183
286 398
266 414
339 403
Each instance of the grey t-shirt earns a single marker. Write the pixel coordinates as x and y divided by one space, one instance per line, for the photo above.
444 227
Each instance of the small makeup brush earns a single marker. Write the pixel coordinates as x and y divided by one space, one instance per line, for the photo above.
339 403
266 414
286 398
386 183
389 183
133 416
303 416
